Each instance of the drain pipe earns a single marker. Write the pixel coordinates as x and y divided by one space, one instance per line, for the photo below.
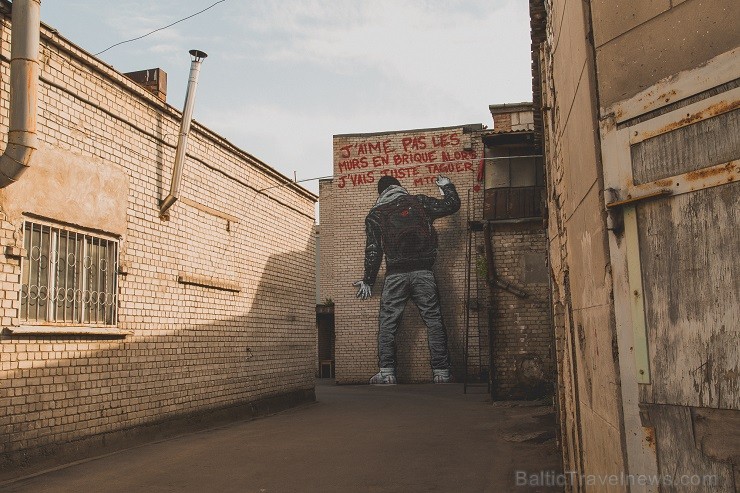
24 76
182 142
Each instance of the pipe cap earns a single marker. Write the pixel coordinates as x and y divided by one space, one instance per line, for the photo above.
198 55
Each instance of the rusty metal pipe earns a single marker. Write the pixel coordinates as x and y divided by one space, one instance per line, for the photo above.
492 279
182 142
24 76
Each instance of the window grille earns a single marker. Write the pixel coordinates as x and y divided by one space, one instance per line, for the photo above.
68 277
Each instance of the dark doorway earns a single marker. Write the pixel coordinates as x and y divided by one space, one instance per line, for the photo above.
325 343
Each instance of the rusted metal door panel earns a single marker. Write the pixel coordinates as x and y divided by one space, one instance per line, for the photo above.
702 144
687 252
691 282
671 167
684 277
684 467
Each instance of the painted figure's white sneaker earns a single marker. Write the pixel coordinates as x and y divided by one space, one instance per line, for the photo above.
443 376
386 376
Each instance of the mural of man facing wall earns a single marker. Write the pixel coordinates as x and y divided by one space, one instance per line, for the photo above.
414 159
400 228
521 331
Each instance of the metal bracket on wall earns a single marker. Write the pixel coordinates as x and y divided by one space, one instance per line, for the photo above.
631 200
692 181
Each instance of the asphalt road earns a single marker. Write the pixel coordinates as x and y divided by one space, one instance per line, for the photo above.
403 438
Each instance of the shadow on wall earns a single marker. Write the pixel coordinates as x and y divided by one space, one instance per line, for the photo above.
147 387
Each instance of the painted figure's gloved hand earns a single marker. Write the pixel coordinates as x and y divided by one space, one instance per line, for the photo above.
364 290
442 181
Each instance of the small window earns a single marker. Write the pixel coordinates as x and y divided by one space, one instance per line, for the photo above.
68 277
515 187
515 172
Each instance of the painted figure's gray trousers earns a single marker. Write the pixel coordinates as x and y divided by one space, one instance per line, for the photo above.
421 287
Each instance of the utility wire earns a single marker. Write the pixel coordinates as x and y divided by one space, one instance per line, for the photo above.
161 28
292 182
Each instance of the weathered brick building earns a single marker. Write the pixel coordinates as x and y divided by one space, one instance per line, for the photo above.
520 323
115 319
415 158
637 105
520 327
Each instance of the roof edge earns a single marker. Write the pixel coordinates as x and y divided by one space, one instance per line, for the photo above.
499 109
471 127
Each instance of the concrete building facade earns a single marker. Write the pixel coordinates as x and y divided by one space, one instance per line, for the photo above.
637 109
115 319
520 327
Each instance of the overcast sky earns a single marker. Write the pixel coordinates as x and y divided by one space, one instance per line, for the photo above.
283 76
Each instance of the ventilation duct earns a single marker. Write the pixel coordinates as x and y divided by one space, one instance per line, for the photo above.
182 142
24 76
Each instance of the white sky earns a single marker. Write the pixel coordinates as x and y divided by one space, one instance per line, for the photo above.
283 76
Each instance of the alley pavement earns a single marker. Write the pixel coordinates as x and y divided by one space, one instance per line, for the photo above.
403 438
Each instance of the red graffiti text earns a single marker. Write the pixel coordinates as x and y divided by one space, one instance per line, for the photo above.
457 167
401 172
417 157
367 148
356 179
350 164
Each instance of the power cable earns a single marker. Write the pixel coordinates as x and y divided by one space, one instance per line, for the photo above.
161 28
296 181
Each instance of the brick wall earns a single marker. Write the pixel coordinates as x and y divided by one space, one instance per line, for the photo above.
522 329
178 348
326 238
522 326
512 117
415 157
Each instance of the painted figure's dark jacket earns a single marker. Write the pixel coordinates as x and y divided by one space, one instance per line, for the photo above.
407 249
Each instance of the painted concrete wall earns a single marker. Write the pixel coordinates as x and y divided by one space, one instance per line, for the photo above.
589 391
639 43
637 96
215 306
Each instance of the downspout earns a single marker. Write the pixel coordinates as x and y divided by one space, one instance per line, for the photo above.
182 142
24 76
491 280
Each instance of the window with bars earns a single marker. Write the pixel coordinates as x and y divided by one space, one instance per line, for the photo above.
68 277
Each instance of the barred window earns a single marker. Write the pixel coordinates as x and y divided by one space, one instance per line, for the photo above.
68 277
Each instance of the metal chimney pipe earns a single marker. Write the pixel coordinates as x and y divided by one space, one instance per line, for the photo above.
24 76
182 142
